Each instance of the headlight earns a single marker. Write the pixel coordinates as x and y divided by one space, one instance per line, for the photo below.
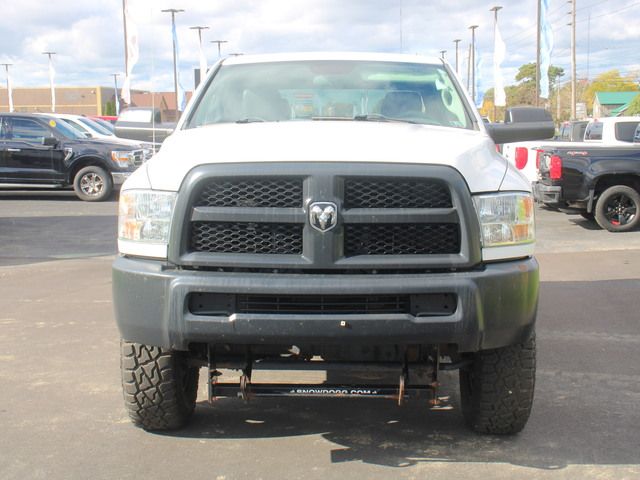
505 219
144 220
122 159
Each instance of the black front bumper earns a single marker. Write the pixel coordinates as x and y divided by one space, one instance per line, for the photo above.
496 306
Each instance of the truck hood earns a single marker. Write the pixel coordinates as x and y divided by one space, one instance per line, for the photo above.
472 153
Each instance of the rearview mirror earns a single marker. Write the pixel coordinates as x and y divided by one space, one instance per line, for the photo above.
522 124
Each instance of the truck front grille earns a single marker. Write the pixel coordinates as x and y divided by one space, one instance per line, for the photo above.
217 237
259 216
261 192
397 193
401 239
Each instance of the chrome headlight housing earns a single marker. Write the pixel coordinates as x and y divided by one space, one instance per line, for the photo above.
506 219
144 222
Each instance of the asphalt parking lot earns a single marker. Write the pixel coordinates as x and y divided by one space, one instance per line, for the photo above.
61 412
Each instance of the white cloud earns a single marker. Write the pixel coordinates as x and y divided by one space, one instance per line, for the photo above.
89 39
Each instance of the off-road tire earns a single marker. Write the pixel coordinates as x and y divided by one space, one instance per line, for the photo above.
618 209
496 391
93 184
159 386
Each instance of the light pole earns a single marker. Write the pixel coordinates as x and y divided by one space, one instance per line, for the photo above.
495 72
51 74
573 59
442 52
115 80
203 59
457 41
173 12
9 90
473 61
219 42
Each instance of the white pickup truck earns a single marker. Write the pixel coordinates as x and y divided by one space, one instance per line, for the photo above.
608 131
338 212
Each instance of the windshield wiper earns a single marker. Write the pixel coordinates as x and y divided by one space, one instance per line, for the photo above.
250 120
377 117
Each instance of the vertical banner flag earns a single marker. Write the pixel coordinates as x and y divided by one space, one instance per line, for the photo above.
52 74
9 90
546 46
182 98
133 51
499 50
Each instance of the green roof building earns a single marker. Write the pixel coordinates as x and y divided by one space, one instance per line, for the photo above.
612 104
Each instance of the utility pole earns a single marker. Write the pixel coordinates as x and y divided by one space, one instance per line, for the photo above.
53 91
203 59
573 59
558 102
126 46
457 41
219 42
173 12
442 52
538 33
9 90
469 70
115 81
495 17
473 62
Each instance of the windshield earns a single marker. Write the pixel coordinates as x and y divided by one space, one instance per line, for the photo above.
331 90
66 130
87 122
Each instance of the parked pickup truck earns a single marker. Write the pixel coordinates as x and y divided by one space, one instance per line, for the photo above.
337 212
609 131
39 151
602 183
143 124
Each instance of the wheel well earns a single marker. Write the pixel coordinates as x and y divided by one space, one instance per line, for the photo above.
607 181
88 162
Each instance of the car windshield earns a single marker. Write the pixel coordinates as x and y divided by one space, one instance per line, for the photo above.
66 130
331 90
94 126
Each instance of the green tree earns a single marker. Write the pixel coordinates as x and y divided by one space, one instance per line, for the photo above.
109 108
610 81
524 92
634 107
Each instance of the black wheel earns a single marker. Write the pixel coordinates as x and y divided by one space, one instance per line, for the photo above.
93 184
496 391
159 387
617 209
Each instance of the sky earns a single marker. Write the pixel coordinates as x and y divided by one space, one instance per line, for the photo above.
89 41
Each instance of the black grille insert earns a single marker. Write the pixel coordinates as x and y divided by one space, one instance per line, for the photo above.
418 305
262 238
399 193
401 239
278 192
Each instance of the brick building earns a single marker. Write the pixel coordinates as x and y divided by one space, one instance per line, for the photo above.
78 100
84 100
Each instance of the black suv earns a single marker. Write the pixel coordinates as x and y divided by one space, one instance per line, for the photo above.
40 151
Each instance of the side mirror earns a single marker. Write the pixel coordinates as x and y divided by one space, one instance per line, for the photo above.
522 124
50 142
